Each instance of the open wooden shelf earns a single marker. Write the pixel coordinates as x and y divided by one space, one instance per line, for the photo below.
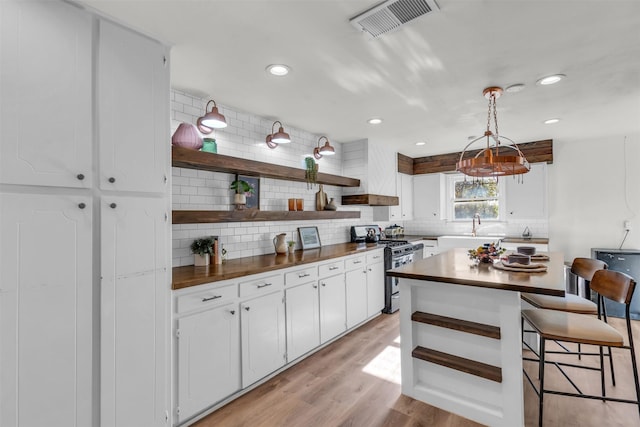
192 159
370 200
201 217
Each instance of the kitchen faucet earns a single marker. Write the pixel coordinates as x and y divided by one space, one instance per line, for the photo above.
473 230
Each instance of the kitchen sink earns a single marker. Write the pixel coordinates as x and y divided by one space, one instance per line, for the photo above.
468 242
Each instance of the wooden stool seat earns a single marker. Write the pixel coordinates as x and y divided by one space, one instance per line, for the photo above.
569 302
572 327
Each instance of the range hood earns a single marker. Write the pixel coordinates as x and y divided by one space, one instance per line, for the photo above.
370 200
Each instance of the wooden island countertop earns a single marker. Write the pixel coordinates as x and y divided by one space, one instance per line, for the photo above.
186 276
454 266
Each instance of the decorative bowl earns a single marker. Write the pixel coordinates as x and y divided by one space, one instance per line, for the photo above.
519 258
526 250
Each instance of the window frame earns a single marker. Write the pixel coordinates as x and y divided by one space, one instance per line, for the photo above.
452 178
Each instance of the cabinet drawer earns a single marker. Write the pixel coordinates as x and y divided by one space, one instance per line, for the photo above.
331 268
303 275
355 262
262 284
375 256
206 299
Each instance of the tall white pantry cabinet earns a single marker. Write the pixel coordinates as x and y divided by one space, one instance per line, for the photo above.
84 220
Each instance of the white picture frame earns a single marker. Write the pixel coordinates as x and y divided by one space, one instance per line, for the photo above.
309 237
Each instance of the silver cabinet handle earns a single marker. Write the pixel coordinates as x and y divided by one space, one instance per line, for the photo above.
247 308
323 284
112 180
376 257
82 205
265 285
333 268
300 276
315 286
210 298
357 262
113 205
232 312
80 176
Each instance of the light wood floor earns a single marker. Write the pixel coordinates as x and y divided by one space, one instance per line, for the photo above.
355 382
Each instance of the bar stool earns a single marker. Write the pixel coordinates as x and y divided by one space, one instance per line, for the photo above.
583 268
582 329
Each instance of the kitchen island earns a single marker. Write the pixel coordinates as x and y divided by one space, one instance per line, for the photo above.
461 337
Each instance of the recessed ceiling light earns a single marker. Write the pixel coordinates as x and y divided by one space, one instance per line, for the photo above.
518 87
374 121
552 79
420 143
278 69
551 121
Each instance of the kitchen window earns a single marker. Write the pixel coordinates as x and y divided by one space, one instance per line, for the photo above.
469 196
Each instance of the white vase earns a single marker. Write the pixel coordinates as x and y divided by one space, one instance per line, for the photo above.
201 260
240 200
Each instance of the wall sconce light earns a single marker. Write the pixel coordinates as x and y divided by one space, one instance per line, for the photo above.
275 138
325 150
211 119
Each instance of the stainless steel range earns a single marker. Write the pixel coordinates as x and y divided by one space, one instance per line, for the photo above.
396 254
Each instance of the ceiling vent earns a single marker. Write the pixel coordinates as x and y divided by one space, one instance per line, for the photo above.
391 15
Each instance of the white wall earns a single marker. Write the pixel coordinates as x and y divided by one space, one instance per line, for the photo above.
594 185
244 137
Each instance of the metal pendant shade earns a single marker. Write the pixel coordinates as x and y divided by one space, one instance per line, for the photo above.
211 119
496 159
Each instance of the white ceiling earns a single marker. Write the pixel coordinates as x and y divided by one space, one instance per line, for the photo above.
425 80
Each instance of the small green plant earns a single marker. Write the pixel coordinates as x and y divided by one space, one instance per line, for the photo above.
291 243
202 246
241 187
311 171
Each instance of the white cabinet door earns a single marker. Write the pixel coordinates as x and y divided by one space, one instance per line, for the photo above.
406 196
526 195
375 288
134 319
356 296
427 193
303 319
46 300
333 316
263 336
208 348
46 103
133 111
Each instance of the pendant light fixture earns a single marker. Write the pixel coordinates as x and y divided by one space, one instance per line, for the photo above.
325 150
275 138
496 159
211 119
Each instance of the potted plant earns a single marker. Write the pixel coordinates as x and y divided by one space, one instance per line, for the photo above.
240 197
291 244
311 171
202 250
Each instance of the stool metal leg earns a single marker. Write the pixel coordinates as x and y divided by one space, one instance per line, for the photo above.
633 357
541 374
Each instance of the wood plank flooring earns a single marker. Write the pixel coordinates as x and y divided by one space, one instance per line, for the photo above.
355 383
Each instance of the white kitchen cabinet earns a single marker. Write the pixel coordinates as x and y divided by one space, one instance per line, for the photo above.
404 210
526 195
303 319
134 318
427 196
430 248
263 336
46 306
133 111
356 294
333 316
46 102
208 356
375 283
406 196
